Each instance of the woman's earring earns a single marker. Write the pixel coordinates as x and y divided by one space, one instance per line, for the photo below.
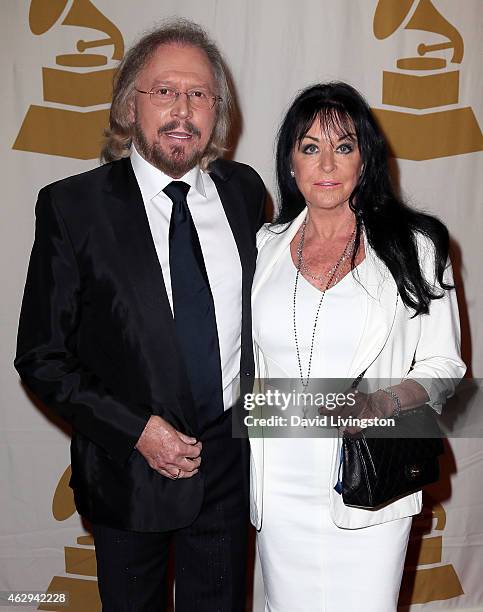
292 173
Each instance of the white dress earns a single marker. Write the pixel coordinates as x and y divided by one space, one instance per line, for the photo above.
308 563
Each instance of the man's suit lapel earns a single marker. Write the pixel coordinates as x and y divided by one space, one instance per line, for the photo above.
151 317
234 207
136 244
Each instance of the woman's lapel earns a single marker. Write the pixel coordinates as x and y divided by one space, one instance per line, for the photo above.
273 250
382 300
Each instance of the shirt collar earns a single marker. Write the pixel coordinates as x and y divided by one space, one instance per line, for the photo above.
152 181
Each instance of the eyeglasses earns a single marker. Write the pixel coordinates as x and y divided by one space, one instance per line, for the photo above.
166 96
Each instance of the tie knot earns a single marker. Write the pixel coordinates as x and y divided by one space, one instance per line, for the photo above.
177 191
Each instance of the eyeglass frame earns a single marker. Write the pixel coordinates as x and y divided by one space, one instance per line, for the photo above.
177 92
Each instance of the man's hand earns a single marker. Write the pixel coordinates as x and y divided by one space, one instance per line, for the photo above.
168 451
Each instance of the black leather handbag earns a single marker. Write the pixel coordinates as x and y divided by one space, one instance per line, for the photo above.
380 465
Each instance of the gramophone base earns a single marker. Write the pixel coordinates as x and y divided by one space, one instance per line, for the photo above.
77 88
432 135
56 131
83 595
420 92
429 584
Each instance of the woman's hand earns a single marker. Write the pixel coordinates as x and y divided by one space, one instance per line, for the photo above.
380 404
366 406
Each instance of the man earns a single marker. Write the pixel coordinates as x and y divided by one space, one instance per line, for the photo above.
165 228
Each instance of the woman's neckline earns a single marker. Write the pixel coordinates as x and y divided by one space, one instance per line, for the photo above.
341 280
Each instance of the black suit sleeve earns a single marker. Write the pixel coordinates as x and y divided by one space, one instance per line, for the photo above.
261 208
47 359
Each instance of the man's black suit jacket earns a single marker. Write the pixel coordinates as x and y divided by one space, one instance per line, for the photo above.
97 341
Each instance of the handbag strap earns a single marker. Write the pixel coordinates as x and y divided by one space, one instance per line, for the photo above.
338 484
356 381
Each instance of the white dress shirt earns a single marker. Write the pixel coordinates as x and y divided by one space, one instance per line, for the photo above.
220 253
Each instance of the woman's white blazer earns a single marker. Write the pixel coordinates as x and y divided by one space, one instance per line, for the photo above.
393 346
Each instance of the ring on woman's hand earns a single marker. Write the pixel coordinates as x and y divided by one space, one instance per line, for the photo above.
177 475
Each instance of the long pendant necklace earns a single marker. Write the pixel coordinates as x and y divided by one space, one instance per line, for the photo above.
331 274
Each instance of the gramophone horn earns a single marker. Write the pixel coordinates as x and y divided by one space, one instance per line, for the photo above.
389 15
44 13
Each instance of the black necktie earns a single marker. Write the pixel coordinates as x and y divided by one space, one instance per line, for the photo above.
193 307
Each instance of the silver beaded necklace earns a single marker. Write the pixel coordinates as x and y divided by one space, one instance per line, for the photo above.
331 275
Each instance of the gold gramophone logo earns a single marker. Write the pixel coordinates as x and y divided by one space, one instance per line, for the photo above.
424 86
426 578
80 560
70 123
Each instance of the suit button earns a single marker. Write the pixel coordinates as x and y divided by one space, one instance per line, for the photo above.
247 373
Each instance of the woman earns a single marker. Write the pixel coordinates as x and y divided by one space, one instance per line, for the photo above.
349 280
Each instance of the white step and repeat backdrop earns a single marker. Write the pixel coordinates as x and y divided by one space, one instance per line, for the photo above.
419 64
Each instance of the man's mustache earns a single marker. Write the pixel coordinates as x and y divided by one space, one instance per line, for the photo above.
174 125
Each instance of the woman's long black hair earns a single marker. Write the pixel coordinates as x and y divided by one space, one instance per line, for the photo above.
390 225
